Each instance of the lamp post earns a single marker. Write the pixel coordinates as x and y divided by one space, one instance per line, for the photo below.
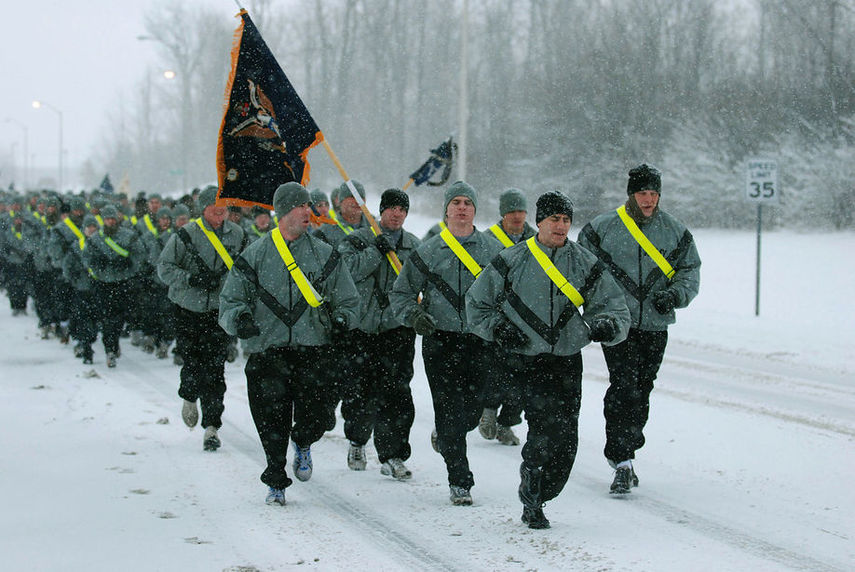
37 104
26 148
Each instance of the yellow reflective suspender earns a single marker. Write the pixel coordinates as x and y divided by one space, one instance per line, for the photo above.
459 251
388 256
500 234
18 235
73 227
218 246
147 220
134 220
555 274
306 289
645 243
114 245
99 219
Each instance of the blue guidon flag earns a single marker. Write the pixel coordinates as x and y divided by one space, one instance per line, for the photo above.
441 157
266 131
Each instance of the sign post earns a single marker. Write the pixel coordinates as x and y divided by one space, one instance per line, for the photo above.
761 187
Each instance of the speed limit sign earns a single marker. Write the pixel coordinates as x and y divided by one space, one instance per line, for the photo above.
762 181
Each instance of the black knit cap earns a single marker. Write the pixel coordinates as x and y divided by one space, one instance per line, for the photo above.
394 198
644 178
553 202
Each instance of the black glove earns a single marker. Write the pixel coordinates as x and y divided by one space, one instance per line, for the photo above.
339 324
206 280
383 244
603 330
246 327
664 300
423 323
509 336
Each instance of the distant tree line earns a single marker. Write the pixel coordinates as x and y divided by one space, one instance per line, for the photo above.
563 94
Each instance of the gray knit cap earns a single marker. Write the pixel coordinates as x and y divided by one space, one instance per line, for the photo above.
207 198
110 211
344 190
318 196
512 200
460 189
180 210
288 196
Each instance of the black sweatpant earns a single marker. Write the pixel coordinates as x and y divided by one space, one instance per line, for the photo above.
501 391
456 365
280 381
552 395
378 398
203 373
17 279
633 365
83 324
112 299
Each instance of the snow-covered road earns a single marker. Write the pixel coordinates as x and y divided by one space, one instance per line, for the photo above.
747 466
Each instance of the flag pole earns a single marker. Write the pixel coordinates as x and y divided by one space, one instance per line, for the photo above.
393 257
407 184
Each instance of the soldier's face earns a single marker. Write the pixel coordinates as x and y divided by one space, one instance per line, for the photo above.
295 222
461 209
552 231
322 207
392 218
647 201
350 210
514 222
164 222
154 205
215 215
262 221
181 221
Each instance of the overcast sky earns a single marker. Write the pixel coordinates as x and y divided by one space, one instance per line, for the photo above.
79 56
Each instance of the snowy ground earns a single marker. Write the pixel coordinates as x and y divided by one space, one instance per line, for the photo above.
748 466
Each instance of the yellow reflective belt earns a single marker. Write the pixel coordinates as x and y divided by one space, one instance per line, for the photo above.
218 246
500 234
645 243
134 220
346 229
388 256
147 220
80 237
306 289
112 244
459 251
555 274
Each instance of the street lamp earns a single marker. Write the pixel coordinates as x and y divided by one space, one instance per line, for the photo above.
26 148
37 104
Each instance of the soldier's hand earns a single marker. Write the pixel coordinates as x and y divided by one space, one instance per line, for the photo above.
339 324
423 323
383 244
246 327
664 300
509 336
603 330
207 280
